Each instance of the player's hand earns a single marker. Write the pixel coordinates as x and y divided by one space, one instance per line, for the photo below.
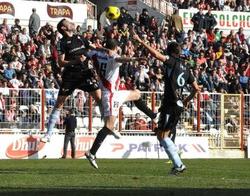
81 58
135 36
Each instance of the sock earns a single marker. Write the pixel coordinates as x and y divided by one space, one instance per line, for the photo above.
144 108
172 151
54 116
102 134
99 103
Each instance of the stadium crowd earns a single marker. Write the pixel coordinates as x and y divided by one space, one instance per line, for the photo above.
219 61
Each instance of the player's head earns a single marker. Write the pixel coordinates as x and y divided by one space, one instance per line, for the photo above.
111 44
174 49
65 26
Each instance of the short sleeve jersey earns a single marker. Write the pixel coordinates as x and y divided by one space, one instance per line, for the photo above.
107 69
72 47
176 78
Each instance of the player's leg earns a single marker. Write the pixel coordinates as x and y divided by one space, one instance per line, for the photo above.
141 105
144 108
102 134
54 116
111 104
168 122
100 137
97 95
90 84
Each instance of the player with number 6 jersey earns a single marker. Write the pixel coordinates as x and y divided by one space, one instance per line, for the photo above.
177 76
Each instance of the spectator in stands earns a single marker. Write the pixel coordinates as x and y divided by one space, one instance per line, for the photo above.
141 78
9 72
15 83
153 26
47 30
125 17
10 114
144 18
199 21
139 123
2 107
2 39
240 37
105 23
210 21
34 23
23 37
16 27
5 27
176 22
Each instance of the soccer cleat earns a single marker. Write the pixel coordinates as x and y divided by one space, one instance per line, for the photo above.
45 139
92 159
178 170
116 134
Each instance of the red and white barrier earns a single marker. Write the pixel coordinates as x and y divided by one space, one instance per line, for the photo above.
29 147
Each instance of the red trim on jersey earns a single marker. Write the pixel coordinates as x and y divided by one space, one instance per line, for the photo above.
106 83
117 82
110 102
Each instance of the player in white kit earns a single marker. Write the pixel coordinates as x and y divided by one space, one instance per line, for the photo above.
107 66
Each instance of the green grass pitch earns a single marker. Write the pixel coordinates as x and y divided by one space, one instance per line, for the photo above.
124 177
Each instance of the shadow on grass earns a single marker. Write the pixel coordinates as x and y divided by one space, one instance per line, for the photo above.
124 192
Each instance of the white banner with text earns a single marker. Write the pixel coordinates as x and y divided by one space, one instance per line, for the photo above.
30 147
51 12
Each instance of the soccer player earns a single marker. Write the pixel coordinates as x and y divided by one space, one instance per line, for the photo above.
107 66
177 76
77 74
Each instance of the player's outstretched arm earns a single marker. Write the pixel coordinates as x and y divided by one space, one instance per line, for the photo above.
154 52
102 49
129 59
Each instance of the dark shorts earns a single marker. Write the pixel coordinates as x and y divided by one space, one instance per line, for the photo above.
169 118
85 80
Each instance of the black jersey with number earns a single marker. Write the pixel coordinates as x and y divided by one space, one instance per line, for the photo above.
176 78
72 47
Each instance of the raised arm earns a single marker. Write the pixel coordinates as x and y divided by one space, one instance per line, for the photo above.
154 52
128 59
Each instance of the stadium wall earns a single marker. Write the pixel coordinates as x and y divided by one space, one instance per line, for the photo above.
223 119
23 146
52 12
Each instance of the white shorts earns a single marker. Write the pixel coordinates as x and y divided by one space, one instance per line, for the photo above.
112 101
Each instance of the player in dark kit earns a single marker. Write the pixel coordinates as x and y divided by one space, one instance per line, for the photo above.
77 74
177 76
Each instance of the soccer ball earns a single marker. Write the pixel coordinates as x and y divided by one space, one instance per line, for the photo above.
113 13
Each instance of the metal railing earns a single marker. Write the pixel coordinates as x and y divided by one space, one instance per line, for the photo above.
224 117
